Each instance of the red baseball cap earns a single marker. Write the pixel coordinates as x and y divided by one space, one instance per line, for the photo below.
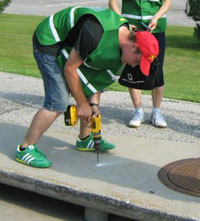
149 49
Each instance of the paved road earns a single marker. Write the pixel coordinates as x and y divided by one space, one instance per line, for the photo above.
176 15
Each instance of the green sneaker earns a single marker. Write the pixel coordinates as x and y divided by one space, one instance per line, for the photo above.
88 145
31 156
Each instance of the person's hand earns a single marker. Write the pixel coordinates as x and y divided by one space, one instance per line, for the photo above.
153 23
133 28
84 112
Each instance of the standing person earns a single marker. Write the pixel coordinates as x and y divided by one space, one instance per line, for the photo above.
79 50
152 14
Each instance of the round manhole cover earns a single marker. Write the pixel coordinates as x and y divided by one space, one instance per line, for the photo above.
182 176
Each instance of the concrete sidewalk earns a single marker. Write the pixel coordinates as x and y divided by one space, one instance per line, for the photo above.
125 183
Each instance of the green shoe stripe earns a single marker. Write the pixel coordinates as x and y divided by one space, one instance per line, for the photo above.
20 161
84 149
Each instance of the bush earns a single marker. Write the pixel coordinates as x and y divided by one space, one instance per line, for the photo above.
3 4
193 11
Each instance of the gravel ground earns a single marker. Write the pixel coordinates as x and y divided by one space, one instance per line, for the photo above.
21 96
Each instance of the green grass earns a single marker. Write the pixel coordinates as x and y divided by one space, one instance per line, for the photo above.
182 60
16 44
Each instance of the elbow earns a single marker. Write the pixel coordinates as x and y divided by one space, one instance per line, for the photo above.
67 72
70 73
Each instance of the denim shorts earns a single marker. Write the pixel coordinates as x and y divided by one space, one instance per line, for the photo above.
55 87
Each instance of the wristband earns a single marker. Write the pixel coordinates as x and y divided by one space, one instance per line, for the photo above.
94 104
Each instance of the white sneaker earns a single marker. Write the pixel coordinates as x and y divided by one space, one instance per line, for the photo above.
158 120
138 118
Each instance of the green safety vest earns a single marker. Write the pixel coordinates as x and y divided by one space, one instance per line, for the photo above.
103 65
137 11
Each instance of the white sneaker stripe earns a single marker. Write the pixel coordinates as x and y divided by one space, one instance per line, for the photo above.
25 156
30 160
90 144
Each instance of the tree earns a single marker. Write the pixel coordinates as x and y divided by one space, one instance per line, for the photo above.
3 4
193 10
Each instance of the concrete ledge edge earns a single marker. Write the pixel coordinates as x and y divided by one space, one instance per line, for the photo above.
86 199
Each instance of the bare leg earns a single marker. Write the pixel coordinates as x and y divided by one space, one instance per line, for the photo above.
95 98
40 123
157 94
84 129
136 96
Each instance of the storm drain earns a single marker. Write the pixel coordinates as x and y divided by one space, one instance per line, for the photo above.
182 176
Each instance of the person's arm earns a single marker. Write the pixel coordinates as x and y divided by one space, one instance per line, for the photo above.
163 9
70 72
113 4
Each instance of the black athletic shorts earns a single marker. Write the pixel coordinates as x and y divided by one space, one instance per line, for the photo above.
161 39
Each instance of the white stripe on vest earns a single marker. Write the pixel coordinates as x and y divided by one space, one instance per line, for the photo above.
87 65
113 76
72 15
53 29
81 75
138 17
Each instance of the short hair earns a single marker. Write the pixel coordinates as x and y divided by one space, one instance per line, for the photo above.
133 39
132 36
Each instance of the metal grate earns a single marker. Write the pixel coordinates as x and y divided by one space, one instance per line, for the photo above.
182 176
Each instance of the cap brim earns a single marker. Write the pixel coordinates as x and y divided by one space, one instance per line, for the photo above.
144 66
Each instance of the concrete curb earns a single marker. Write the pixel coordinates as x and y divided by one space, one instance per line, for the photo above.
94 201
